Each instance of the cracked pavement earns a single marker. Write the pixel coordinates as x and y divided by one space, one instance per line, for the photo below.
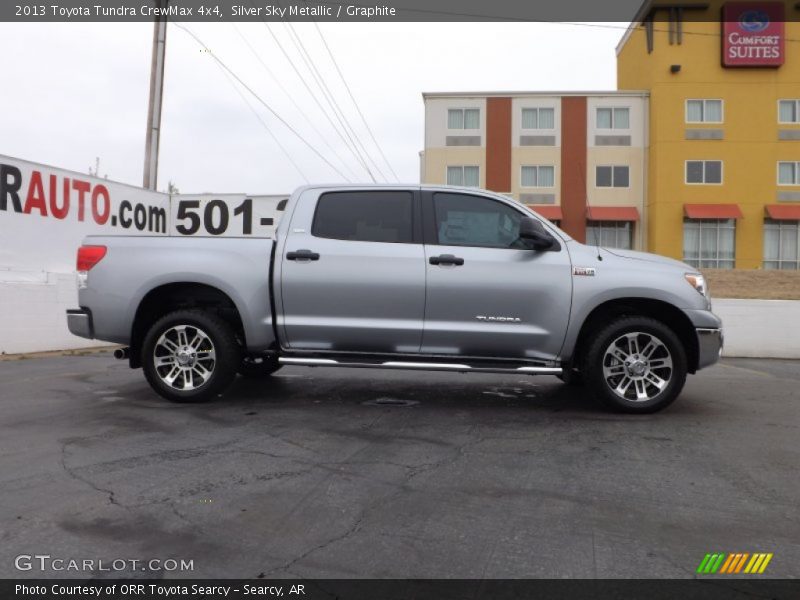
313 473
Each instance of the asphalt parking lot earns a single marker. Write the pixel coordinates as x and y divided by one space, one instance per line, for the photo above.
366 473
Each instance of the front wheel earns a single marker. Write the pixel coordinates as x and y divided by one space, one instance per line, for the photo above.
636 365
190 356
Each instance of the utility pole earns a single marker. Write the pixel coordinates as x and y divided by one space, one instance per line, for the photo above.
156 95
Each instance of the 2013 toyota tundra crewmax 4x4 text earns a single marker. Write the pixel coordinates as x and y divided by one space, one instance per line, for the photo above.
404 277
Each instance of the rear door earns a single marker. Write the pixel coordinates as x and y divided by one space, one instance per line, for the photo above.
352 273
487 294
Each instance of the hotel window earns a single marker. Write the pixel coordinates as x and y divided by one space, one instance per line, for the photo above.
704 171
463 176
789 111
709 243
613 118
704 111
781 244
538 176
612 176
788 173
610 234
463 118
538 118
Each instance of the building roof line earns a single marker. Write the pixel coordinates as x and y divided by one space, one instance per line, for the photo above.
520 94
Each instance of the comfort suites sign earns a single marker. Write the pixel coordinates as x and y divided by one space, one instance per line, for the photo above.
753 34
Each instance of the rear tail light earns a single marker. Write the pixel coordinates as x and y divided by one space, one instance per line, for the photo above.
89 256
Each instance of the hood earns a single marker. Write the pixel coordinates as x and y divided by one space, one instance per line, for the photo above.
647 257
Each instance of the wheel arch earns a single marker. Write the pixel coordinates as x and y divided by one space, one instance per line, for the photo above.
170 297
666 313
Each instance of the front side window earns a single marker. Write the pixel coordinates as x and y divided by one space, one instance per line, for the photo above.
538 118
704 111
613 118
463 118
612 176
610 234
709 243
463 176
704 171
463 220
788 173
379 216
781 244
538 176
789 111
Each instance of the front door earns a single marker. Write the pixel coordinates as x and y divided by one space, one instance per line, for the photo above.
487 294
360 287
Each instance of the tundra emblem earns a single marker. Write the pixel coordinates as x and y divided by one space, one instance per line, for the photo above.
499 319
585 271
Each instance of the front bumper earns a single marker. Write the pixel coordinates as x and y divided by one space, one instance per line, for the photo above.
709 346
79 322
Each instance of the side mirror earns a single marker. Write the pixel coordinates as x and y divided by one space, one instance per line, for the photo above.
534 233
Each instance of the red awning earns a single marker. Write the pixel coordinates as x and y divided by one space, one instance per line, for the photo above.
548 211
612 213
784 212
713 211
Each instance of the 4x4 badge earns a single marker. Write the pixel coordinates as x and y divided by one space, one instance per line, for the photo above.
587 271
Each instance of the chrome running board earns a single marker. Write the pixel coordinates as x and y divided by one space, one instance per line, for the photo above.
418 365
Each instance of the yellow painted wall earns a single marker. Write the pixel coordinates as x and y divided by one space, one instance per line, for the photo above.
437 160
750 149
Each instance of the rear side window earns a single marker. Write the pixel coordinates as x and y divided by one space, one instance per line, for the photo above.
463 220
365 216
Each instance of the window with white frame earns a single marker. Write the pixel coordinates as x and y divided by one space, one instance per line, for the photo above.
788 173
781 244
704 111
613 118
617 176
468 176
610 234
464 118
709 243
542 176
704 171
788 111
538 118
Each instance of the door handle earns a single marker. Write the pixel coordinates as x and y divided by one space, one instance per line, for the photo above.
446 259
302 255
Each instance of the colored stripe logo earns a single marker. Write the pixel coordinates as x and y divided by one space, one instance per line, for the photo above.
736 562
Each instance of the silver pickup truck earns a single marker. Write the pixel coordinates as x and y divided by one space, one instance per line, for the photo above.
399 277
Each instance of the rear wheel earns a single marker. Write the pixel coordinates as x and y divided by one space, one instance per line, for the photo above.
636 365
190 356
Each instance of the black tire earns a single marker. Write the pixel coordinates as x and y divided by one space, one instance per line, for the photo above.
205 373
258 366
604 368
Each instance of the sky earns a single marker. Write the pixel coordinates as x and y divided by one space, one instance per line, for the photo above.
75 92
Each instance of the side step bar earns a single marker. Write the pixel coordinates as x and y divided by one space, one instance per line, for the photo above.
424 366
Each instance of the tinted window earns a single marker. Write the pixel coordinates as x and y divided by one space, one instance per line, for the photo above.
365 216
463 220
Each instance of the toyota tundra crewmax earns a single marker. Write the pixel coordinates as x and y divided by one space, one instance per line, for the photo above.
399 277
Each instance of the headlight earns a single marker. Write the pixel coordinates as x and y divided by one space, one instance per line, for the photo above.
698 282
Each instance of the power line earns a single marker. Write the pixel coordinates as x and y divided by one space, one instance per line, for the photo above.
330 98
261 101
355 103
290 97
264 124
311 92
